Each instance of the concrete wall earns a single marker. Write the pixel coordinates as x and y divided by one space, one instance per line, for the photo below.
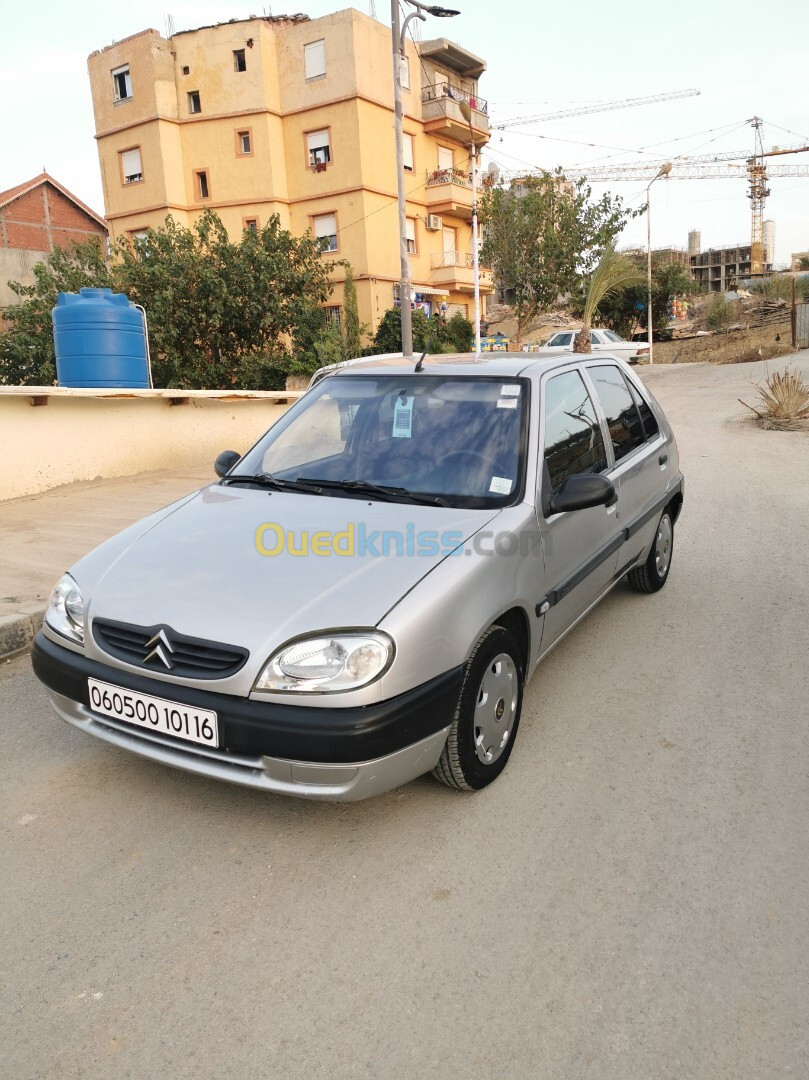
76 436
724 348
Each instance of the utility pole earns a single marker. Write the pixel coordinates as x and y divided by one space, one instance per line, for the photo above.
466 112
398 31
663 171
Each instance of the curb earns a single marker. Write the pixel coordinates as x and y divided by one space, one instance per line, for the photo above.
17 631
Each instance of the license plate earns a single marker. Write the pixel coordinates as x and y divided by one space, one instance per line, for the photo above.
156 714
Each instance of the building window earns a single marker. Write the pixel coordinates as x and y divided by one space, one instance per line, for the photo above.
332 317
244 143
444 158
405 70
139 234
131 166
314 59
407 151
186 70
239 60
410 233
121 84
203 189
325 227
318 143
194 103
250 224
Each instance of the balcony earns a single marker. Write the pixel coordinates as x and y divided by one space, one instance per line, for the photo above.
449 193
454 270
441 113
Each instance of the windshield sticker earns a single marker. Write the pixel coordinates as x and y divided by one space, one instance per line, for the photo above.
403 417
510 390
500 485
507 403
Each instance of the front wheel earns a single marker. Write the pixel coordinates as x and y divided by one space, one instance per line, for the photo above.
487 716
653 574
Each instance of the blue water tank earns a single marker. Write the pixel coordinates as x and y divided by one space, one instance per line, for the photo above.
99 340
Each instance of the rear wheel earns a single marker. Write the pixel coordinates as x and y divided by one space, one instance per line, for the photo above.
653 574
487 716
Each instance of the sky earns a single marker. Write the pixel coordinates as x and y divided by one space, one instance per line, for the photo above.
745 58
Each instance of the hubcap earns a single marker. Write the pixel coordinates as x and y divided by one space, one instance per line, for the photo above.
495 708
663 546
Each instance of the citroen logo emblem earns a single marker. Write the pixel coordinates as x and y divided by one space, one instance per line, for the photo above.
161 649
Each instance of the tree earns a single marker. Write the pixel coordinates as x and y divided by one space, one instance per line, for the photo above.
613 275
220 313
803 262
26 348
622 311
541 243
388 336
720 313
351 318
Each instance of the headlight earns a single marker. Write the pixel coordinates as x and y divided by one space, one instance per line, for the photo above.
327 663
65 612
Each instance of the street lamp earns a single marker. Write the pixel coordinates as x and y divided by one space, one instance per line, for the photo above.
663 171
466 112
398 32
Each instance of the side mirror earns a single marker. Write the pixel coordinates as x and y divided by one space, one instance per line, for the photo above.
581 491
225 462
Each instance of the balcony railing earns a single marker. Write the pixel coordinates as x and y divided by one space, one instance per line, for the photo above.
442 90
449 176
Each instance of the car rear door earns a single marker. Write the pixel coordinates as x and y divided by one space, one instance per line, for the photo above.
641 472
579 547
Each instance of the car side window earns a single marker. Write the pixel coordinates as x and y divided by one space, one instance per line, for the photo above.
648 419
561 339
623 418
594 338
573 439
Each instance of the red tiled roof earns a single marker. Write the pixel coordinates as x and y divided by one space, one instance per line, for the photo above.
45 178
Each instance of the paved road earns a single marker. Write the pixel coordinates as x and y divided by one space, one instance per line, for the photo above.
628 901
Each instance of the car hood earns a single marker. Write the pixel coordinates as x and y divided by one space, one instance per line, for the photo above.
197 568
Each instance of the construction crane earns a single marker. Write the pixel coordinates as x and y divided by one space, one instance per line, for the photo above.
603 106
706 167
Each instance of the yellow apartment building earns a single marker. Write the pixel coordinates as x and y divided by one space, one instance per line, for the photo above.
294 116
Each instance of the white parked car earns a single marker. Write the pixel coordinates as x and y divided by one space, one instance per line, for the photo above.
608 340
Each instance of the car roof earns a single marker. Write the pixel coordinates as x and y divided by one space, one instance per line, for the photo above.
503 364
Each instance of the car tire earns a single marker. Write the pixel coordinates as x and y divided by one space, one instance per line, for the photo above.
487 715
653 574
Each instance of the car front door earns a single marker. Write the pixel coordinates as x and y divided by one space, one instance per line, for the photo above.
580 546
641 471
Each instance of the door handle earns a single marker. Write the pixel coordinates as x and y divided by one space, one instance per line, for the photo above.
663 460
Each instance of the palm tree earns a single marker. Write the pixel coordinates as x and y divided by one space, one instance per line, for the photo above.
614 273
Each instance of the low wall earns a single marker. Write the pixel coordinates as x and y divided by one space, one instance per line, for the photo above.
721 348
55 435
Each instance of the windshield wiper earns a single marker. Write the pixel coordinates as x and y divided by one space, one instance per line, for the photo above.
267 480
382 491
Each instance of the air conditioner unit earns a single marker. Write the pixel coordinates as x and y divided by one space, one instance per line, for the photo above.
434 222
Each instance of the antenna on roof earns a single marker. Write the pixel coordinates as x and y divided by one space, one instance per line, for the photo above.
169 25
372 8
420 361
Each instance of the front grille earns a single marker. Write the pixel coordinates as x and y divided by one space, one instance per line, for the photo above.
161 649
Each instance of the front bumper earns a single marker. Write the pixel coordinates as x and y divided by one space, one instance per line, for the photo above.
310 751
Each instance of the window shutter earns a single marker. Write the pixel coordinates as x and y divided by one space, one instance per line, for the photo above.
405 73
131 163
444 157
314 58
325 225
317 140
410 230
407 151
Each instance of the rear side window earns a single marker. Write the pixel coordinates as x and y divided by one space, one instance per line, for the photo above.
573 440
623 418
650 425
594 338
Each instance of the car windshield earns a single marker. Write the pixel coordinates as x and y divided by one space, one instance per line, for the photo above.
459 439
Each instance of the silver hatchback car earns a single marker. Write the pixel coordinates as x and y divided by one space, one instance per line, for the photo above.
362 596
